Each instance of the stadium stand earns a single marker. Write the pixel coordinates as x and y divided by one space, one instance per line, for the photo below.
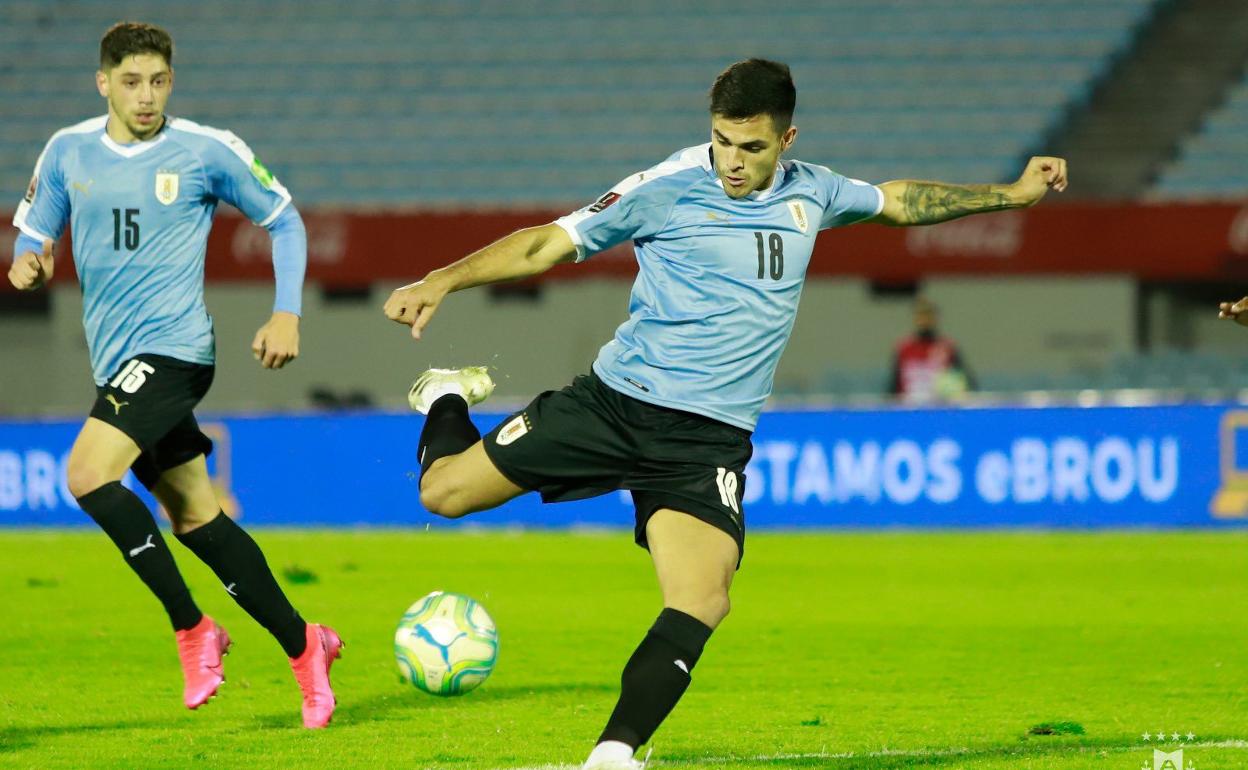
1213 162
495 103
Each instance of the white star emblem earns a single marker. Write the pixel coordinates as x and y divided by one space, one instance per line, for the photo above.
1146 736
1191 736
1174 736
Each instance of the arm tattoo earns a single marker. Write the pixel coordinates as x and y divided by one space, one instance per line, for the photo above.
927 203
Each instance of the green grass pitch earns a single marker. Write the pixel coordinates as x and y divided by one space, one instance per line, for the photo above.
845 650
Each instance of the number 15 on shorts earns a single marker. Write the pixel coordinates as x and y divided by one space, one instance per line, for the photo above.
132 377
726 480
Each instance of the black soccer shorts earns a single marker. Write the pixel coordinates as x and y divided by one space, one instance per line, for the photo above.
150 399
588 439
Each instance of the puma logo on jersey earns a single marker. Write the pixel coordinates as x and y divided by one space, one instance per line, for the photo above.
85 189
717 217
117 405
149 544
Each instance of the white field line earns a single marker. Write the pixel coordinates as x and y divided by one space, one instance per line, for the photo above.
729 760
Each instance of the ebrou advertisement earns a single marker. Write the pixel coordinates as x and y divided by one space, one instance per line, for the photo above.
1173 466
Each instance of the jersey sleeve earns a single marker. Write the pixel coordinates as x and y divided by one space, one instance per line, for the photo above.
636 208
44 210
849 200
236 176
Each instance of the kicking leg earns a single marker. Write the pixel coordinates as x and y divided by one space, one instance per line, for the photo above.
465 483
186 492
695 563
456 476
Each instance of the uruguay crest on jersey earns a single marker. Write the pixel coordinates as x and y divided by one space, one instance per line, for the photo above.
166 186
799 215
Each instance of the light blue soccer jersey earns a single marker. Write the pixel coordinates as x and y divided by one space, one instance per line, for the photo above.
140 216
719 281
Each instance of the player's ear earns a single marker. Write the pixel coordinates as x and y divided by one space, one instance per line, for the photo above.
101 82
787 138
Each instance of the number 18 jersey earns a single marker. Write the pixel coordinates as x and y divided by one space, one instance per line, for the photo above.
719 278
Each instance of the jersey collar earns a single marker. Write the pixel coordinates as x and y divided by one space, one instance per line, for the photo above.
137 148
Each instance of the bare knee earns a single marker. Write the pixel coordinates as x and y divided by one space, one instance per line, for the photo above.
187 520
84 478
441 496
710 607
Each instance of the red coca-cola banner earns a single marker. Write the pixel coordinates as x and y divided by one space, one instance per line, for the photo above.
1152 242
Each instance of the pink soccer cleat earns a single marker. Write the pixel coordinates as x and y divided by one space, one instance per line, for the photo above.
200 650
312 673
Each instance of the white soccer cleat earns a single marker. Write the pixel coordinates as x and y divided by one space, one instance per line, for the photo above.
472 383
614 755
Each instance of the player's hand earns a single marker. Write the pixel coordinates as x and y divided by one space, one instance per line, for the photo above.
277 342
31 270
415 304
1235 311
1041 175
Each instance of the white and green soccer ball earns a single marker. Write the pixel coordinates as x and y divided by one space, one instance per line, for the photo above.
446 644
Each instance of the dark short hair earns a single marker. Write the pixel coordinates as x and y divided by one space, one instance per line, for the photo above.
128 38
755 87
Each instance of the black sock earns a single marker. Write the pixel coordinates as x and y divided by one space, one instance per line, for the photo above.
654 679
126 520
447 431
239 563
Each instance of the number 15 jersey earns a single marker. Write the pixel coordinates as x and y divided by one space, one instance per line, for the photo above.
719 279
140 215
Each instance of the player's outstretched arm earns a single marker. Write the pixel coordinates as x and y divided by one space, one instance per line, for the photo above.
524 253
31 270
1234 311
911 202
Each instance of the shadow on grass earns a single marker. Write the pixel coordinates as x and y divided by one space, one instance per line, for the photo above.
17 738
405 702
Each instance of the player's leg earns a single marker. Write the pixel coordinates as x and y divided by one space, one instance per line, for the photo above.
99 459
101 455
695 563
186 492
456 476
465 483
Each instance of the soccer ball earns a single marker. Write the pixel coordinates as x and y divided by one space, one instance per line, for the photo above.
446 644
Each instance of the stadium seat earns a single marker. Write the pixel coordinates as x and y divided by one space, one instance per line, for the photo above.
1212 162
380 103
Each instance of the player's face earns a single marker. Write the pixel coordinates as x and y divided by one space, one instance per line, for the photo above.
136 90
746 152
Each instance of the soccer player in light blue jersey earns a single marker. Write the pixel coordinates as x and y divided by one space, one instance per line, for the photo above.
139 189
723 234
